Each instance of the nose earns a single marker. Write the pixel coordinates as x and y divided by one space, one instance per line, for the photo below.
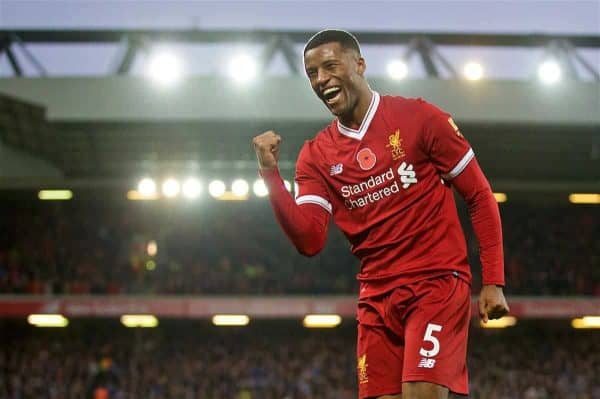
322 77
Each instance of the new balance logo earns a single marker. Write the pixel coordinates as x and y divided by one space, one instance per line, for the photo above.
336 169
407 175
427 363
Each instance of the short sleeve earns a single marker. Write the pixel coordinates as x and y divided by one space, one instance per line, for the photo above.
444 143
309 187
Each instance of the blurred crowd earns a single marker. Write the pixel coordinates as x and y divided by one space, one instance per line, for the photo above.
112 247
271 361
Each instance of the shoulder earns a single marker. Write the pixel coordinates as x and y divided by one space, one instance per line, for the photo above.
417 108
317 145
322 140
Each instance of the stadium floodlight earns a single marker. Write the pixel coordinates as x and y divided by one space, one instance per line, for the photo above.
584 198
503 322
216 188
191 188
260 188
500 197
55 195
397 69
147 187
230 320
152 248
473 70
287 185
139 320
321 320
171 188
242 68
549 72
47 320
165 68
586 322
239 187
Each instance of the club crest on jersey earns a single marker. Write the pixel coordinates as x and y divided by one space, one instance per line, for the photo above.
395 143
366 159
361 366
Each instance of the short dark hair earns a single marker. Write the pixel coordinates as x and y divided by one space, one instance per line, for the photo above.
345 38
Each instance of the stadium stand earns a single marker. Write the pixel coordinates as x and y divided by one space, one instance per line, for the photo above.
261 361
87 247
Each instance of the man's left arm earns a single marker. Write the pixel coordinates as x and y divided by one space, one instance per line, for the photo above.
453 156
485 217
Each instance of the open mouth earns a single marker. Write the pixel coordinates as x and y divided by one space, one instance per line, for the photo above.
332 94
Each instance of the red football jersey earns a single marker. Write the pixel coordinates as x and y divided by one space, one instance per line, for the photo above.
387 186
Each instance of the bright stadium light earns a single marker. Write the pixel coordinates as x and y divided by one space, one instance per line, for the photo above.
152 248
239 187
397 69
242 68
230 320
171 188
191 188
55 195
260 188
473 70
586 322
216 188
288 185
549 72
139 320
500 197
321 320
165 68
503 322
47 320
584 198
147 187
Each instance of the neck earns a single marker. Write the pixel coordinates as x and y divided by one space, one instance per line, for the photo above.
354 118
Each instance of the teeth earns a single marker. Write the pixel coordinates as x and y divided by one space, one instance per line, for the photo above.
330 90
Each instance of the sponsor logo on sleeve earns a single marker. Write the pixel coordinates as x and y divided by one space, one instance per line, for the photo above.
458 133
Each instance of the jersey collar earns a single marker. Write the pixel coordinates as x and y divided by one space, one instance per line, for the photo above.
364 126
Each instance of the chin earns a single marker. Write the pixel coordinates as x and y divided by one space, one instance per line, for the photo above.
337 111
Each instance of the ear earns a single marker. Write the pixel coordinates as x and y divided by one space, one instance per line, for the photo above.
361 66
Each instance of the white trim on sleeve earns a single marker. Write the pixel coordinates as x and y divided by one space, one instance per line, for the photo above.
314 199
460 166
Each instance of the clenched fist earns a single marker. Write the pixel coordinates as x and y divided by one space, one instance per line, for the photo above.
266 147
492 304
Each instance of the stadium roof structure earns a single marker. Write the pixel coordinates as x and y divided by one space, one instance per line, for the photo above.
424 44
118 126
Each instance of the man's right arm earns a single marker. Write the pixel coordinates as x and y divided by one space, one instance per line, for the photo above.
305 225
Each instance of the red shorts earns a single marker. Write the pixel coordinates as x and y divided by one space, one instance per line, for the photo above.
416 332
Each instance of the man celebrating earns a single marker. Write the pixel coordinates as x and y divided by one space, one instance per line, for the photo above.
384 169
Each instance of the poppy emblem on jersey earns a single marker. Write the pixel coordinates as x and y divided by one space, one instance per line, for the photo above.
361 367
366 159
395 142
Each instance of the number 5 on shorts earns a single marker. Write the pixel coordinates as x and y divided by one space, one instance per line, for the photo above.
428 337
